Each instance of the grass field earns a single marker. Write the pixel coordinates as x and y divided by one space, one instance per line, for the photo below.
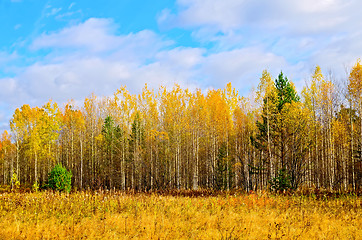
117 215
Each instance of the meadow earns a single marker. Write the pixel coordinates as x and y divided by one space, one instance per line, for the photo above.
181 215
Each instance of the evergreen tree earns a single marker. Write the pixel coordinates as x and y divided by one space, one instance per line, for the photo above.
112 134
224 171
285 91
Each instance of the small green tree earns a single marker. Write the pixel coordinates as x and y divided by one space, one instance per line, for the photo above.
224 171
60 179
281 182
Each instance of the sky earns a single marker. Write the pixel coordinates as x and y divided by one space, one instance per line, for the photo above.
63 50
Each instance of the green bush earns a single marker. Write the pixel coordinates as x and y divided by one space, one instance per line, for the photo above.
60 179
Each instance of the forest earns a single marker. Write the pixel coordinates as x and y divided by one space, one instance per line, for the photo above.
274 138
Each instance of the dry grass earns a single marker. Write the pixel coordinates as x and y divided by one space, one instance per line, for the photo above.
100 215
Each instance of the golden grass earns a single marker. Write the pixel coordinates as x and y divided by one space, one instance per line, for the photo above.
100 215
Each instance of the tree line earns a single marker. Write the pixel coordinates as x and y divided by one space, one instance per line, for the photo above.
181 139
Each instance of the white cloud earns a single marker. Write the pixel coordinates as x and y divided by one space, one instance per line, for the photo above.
242 67
343 49
181 57
94 35
78 63
5 115
6 57
12 94
293 16
305 33
109 60
73 79
8 87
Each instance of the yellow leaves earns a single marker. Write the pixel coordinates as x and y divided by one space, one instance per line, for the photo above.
89 104
312 94
237 166
126 107
355 82
37 128
148 105
340 135
266 95
172 108
72 118
296 119
220 115
5 137
318 97
100 138
265 87
232 96
327 89
5 143
318 76
158 135
294 111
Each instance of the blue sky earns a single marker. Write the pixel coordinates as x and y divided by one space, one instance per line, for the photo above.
68 49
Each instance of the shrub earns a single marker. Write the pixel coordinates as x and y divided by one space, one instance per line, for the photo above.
60 179
35 186
15 183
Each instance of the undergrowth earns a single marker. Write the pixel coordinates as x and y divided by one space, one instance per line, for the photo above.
178 215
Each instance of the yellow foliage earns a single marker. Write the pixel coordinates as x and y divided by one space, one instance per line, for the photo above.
355 80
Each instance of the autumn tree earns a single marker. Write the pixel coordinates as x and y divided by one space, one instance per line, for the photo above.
279 104
6 158
268 94
136 146
355 98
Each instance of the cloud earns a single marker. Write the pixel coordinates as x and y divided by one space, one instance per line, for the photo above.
8 88
73 79
308 16
7 57
236 23
10 96
5 116
93 35
78 64
96 36
134 59
242 67
305 33
92 57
